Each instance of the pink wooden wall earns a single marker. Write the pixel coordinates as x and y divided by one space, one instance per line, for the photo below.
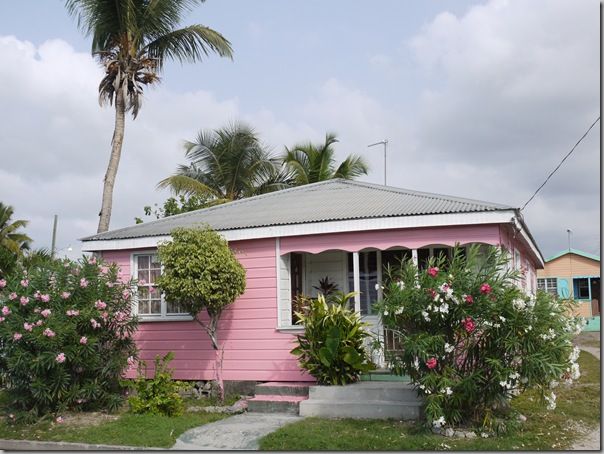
253 348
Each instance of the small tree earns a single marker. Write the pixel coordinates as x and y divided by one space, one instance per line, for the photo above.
200 273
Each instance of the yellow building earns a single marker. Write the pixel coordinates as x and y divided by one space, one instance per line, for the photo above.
574 274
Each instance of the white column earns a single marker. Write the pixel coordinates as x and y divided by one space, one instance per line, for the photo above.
357 281
380 277
414 256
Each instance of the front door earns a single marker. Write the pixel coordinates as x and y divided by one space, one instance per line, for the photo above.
595 296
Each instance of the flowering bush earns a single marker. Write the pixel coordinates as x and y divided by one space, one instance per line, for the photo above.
470 339
65 332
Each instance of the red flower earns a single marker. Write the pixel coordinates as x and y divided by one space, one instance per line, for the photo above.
433 271
469 299
431 292
485 288
431 363
469 324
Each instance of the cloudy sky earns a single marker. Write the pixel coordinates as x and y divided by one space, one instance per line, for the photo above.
478 99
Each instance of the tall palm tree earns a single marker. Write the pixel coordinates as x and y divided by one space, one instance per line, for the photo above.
227 164
311 163
12 241
133 39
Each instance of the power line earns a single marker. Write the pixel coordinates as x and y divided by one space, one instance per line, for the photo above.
558 166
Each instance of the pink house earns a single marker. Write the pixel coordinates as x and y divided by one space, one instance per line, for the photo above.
289 240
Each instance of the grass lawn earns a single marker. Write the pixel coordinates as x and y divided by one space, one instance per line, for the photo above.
578 405
121 429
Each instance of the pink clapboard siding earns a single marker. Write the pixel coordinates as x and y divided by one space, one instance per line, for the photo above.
411 238
253 348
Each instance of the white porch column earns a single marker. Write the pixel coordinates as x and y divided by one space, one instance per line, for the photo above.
414 256
357 282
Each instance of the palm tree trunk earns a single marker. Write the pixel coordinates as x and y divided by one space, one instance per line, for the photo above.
114 161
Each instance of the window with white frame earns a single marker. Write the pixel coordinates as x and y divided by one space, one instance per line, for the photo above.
150 302
549 284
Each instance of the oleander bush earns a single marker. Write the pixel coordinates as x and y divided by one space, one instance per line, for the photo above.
332 348
65 331
470 338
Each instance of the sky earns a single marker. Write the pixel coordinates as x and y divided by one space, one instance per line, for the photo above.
478 99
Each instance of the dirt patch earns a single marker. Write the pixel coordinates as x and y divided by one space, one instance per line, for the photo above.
87 419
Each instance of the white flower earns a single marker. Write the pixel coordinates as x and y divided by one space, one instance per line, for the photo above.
400 285
503 384
444 308
417 286
551 401
385 311
448 391
553 384
574 355
502 318
450 277
437 297
454 299
515 375
439 422
426 316
399 310
449 348
496 325
484 435
575 373
519 304
416 365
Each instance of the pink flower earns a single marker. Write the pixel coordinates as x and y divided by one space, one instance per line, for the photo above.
83 283
94 323
12 296
469 324
65 295
104 269
1 319
131 361
120 316
59 419
485 289
72 313
92 260
100 304
109 284
24 282
105 315
126 294
142 282
431 292
60 358
5 310
2 283
468 299
431 363
83 340
17 336
37 295
433 271
39 322
49 333
45 313
28 326
45 298
24 300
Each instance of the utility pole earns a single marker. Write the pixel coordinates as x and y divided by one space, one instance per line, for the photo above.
54 237
385 143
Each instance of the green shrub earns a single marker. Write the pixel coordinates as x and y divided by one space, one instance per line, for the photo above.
331 348
471 339
65 331
159 395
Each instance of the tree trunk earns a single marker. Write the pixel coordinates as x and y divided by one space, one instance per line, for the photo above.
114 161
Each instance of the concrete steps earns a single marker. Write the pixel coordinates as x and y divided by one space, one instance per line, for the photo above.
278 397
364 400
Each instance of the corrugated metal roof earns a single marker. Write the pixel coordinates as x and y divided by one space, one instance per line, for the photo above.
332 200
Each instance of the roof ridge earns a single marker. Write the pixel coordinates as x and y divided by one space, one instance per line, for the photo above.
574 251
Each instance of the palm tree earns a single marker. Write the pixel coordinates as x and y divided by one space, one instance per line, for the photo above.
12 242
311 163
227 164
132 39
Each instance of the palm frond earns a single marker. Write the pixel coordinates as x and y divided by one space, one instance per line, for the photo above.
353 166
182 184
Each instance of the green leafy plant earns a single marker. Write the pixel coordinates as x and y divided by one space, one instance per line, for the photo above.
159 395
66 334
332 346
471 339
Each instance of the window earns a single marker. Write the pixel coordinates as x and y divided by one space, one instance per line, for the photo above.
424 254
549 285
368 278
581 288
150 302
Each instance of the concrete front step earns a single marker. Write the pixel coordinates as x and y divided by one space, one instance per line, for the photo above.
275 404
366 409
367 391
283 388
